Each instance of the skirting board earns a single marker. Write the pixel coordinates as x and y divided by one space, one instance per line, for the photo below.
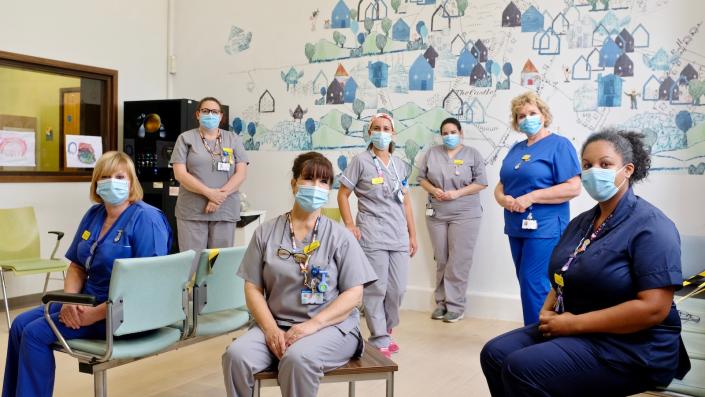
479 305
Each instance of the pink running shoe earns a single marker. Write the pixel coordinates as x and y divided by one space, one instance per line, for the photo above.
385 352
393 347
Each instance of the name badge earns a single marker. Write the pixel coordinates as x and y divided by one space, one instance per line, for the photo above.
558 279
400 196
378 181
529 224
229 154
223 166
311 247
309 297
86 234
458 162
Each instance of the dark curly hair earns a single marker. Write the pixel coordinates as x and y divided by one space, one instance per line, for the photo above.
630 145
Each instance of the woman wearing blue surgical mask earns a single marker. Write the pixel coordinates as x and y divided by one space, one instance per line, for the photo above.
453 174
609 325
120 225
304 275
384 226
539 175
210 163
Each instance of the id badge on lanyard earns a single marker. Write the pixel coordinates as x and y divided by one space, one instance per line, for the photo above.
529 223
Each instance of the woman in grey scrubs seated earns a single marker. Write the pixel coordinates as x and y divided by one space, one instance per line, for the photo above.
210 164
304 276
453 174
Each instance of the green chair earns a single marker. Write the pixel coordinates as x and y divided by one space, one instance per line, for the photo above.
332 213
146 296
19 249
218 293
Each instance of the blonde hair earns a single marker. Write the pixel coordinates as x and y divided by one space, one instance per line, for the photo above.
529 98
109 163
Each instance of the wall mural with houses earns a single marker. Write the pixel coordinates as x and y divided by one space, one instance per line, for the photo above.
637 64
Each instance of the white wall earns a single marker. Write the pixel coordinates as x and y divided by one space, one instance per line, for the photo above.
128 36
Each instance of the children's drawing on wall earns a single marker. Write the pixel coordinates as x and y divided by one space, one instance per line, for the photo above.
597 62
17 148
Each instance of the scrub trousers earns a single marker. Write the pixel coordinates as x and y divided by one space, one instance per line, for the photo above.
300 369
30 366
453 247
382 299
531 257
525 363
199 235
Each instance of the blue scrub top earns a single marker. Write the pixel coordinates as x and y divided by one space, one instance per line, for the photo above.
140 231
638 249
551 161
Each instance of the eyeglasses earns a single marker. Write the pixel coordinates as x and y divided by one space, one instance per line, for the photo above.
286 254
685 316
206 111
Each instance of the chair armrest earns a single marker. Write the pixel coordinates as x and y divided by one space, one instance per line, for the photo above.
59 236
64 297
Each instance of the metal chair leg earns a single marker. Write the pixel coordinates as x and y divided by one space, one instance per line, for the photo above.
46 283
351 389
100 387
4 298
390 384
257 389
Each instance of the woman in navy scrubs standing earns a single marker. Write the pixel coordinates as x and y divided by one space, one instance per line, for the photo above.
538 177
609 325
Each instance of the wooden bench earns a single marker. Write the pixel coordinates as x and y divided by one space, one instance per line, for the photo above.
371 366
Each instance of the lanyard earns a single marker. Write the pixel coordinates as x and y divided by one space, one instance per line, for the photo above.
210 151
379 168
308 250
579 249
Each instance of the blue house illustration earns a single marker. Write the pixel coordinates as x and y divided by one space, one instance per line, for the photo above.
582 70
624 67
378 73
349 91
641 36
340 17
466 62
374 9
421 75
424 2
400 31
549 43
609 53
609 91
650 89
474 112
531 20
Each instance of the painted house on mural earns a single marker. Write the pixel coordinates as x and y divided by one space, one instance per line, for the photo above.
529 74
532 20
375 10
478 75
668 90
688 73
440 20
340 17
266 102
320 81
466 62
511 16
334 95
625 41
349 90
378 73
624 67
400 31
609 91
421 75
479 51
609 53
431 56
453 103
341 74
650 89
457 45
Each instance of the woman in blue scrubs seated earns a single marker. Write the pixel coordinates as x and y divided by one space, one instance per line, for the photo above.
119 226
609 326
538 177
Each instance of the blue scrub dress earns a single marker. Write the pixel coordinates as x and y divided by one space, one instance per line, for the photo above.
639 249
140 231
546 163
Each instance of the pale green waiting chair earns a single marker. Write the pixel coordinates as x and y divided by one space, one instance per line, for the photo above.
19 249
218 293
146 297
332 213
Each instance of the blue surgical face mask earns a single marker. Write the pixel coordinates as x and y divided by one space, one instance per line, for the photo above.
381 140
311 198
531 125
209 121
113 191
599 183
451 140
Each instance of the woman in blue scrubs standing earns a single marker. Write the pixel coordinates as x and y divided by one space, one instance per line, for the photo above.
609 325
121 225
538 177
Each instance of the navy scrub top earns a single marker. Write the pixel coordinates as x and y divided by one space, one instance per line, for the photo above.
548 162
140 231
638 249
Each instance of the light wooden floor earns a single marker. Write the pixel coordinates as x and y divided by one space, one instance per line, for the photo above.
436 359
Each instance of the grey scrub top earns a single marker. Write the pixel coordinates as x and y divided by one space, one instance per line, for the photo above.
282 281
189 150
437 168
380 216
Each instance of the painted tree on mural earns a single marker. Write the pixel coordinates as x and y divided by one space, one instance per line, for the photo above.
684 120
462 6
395 5
380 42
422 30
696 89
411 149
369 24
310 126
342 163
346 122
386 25
310 51
358 107
339 39
237 125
